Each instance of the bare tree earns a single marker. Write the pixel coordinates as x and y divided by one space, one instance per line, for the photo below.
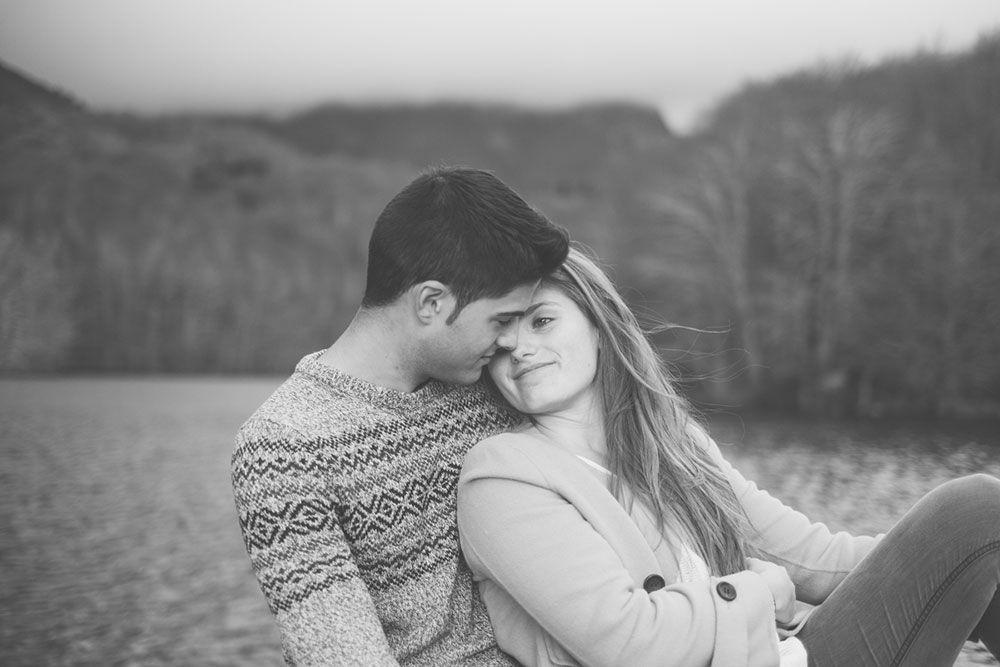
836 169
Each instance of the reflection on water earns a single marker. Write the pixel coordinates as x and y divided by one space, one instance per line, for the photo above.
120 542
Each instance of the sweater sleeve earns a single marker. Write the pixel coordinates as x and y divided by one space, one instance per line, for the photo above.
558 592
299 553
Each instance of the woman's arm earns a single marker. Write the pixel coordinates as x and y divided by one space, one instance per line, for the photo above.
816 558
546 545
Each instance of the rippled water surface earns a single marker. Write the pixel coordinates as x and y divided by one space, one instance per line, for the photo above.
121 545
118 536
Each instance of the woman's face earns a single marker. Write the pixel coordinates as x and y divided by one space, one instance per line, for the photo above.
553 366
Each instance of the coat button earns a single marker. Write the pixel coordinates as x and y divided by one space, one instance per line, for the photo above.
653 582
726 591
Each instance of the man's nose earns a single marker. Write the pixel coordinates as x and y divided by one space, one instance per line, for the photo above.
508 338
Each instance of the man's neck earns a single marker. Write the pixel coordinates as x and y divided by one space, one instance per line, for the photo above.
371 349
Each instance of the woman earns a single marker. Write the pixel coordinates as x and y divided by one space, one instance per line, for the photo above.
609 531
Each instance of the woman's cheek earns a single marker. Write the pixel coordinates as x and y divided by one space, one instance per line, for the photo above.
498 372
511 395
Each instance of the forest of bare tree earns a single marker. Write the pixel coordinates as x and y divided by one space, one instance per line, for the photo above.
830 239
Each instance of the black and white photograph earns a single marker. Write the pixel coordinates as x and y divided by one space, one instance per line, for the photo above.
378 333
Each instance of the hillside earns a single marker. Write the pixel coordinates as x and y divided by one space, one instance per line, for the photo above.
543 148
836 228
19 89
130 238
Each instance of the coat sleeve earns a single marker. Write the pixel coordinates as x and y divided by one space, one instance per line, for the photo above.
299 552
816 558
526 536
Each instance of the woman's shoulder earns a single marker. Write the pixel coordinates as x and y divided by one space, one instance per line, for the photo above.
523 436
519 452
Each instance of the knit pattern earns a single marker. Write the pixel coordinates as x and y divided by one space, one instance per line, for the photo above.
346 498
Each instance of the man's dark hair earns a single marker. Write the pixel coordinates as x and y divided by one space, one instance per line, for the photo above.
465 228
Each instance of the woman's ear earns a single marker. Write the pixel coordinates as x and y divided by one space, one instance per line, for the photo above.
431 299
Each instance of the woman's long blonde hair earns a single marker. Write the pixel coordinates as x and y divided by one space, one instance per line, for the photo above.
651 448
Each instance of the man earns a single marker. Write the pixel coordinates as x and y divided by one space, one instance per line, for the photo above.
345 478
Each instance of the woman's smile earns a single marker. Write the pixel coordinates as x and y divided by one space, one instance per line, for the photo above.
521 372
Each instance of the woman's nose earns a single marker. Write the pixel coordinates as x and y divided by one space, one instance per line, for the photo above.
522 349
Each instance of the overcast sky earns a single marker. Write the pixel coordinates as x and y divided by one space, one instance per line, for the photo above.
282 55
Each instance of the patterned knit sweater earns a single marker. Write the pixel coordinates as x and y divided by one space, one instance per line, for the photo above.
346 498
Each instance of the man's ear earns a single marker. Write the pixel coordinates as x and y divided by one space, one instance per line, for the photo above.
431 299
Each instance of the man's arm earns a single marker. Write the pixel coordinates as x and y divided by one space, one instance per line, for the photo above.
299 552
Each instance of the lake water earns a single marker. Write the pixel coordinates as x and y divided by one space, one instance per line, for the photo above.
120 544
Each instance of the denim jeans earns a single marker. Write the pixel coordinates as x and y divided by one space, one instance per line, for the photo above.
928 586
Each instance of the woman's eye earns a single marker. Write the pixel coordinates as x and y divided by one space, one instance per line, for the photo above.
540 321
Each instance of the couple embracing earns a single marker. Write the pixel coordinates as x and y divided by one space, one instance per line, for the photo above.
491 467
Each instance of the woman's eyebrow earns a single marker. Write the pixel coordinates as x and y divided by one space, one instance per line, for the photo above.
535 306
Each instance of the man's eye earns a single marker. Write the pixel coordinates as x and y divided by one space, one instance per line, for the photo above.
505 322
